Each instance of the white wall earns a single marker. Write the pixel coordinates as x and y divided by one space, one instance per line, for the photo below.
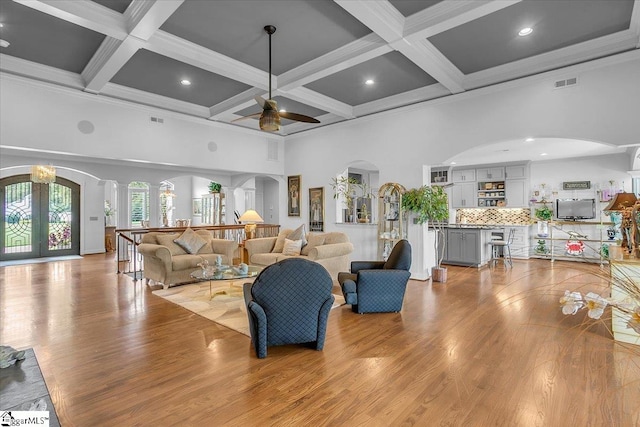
603 107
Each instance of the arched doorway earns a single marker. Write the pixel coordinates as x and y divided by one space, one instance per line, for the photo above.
38 220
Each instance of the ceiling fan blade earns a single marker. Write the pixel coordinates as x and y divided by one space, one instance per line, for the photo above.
246 117
261 101
298 117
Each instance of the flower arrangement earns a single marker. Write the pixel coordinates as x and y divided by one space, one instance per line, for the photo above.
108 210
573 302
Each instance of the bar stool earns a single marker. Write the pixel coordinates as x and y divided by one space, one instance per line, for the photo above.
506 246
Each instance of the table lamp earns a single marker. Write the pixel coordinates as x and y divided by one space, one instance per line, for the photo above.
249 219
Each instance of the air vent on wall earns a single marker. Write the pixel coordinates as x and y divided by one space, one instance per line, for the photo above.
565 83
157 120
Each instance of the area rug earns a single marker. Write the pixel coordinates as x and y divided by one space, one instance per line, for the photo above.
226 307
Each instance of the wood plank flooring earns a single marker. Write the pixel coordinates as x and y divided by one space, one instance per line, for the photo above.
489 347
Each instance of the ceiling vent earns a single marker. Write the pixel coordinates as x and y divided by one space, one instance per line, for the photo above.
560 84
157 120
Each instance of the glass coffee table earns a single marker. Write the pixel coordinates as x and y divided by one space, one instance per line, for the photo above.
225 272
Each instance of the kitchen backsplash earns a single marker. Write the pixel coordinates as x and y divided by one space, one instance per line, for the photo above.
508 216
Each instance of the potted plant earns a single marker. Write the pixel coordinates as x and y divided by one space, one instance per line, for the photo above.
431 204
344 188
214 187
544 215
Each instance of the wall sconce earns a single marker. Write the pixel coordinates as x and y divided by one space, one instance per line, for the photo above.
42 174
250 218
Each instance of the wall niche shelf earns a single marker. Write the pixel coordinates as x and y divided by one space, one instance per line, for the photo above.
392 221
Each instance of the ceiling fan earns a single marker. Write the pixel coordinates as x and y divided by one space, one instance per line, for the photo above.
270 116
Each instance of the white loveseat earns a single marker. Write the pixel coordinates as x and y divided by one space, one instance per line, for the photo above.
168 263
332 250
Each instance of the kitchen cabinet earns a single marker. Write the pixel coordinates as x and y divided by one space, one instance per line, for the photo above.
463 195
490 174
516 193
516 172
463 175
491 194
467 246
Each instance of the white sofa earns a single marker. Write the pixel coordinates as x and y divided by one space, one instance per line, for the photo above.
168 263
331 250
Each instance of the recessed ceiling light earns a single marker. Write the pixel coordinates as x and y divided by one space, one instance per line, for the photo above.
525 31
369 82
453 163
185 82
4 43
1 25
282 110
529 140
543 154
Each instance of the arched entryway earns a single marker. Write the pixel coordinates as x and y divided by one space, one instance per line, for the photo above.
38 220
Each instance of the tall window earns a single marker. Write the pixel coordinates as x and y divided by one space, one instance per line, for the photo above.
138 203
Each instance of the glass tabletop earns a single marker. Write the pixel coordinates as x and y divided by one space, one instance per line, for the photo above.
225 273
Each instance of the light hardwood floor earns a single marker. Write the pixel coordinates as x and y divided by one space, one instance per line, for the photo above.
489 347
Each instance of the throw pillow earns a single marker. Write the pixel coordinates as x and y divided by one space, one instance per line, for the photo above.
298 234
279 246
190 241
292 247
166 239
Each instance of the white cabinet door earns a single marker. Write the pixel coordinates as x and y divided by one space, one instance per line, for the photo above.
463 195
490 174
463 175
516 172
516 193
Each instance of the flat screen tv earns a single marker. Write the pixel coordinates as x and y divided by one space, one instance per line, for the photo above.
573 209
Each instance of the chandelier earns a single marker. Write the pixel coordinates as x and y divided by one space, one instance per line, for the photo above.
42 174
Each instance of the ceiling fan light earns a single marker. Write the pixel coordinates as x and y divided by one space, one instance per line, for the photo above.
270 121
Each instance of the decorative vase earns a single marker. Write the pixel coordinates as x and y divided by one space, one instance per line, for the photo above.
543 228
439 274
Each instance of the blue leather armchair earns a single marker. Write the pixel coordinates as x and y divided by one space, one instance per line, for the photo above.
289 303
378 286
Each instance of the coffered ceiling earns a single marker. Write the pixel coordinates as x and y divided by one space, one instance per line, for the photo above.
323 51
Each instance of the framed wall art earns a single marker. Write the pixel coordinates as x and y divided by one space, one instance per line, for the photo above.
196 209
316 209
294 184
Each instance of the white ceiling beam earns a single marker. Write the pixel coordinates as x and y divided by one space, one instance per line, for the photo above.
449 14
401 99
634 25
579 53
379 16
431 60
179 49
354 53
144 19
388 23
84 13
226 108
315 99
107 61
33 70
157 101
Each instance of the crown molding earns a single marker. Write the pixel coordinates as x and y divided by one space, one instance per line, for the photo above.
35 71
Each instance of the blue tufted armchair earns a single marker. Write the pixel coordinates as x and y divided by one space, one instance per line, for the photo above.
289 303
378 286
